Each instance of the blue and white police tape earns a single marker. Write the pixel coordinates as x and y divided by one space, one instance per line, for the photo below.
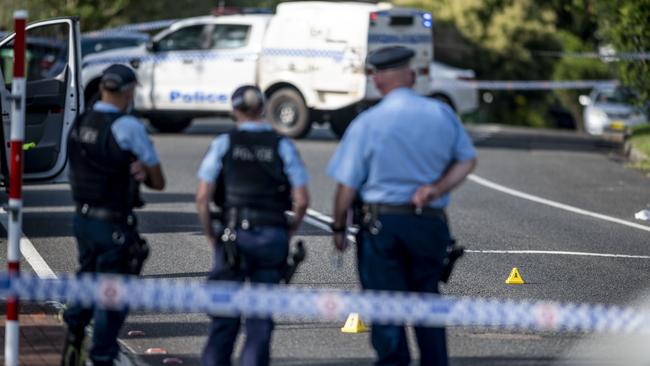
137 27
225 298
169 57
523 84
176 56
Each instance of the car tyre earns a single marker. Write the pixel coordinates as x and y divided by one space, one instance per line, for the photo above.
287 111
340 120
170 124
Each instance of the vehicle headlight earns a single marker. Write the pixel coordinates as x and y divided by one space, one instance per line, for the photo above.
597 116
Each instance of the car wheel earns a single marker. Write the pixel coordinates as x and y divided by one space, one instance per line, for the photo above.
169 124
340 120
287 111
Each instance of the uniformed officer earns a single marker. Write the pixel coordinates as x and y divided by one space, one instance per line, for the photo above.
254 175
403 156
109 154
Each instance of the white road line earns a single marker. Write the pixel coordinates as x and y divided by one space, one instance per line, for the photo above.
551 252
319 216
314 222
316 218
513 192
29 252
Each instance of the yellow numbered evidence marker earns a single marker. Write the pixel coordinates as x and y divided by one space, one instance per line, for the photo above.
354 324
515 278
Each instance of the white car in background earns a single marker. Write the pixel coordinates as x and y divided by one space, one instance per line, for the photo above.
611 109
454 87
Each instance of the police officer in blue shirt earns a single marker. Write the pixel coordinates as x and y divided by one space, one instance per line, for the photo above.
403 156
254 175
109 154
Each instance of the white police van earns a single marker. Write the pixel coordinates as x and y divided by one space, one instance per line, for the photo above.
53 98
308 58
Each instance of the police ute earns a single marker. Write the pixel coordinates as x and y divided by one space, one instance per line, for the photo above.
308 58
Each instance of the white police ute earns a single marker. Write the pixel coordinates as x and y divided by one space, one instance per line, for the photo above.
308 58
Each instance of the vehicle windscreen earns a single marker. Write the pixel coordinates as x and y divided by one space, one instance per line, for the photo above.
618 96
94 45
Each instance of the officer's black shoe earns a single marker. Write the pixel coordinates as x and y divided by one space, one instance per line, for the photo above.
74 353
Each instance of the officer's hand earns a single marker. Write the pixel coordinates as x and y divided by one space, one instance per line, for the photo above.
424 195
340 242
138 171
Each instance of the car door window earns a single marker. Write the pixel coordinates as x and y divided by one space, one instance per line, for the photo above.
184 39
46 55
47 73
229 36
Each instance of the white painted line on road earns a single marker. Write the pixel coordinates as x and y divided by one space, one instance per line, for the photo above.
31 255
319 216
513 192
314 222
316 218
552 252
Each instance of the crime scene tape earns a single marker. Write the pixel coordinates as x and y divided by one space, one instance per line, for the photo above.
338 56
523 84
136 27
227 298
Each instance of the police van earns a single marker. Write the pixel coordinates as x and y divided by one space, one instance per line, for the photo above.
53 98
308 58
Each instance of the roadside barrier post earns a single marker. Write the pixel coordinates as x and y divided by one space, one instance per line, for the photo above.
12 333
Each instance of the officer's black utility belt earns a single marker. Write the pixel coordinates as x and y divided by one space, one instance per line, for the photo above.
376 209
106 214
246 218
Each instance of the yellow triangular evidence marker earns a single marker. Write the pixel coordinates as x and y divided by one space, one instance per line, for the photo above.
354 324
515 278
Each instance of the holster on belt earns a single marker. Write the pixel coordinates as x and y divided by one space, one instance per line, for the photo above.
231 256
295 258
138 252
454 252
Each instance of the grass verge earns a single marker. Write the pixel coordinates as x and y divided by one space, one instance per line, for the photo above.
640 141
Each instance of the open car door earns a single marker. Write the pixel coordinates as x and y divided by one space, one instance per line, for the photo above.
53 88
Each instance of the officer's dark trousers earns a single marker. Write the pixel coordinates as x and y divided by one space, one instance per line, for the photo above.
406 255
264 253
102 252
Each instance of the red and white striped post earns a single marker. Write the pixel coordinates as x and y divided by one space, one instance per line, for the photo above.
12 334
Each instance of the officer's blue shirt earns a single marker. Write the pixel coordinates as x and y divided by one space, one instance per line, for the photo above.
293 165
402 143
130 135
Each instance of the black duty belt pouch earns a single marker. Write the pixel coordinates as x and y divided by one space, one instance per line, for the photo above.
137 254
135 249
231 256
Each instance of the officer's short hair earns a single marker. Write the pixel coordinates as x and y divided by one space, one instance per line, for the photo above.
248 99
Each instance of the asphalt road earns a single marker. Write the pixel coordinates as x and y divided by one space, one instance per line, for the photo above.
573 170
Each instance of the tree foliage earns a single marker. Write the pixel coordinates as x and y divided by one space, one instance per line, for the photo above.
625 24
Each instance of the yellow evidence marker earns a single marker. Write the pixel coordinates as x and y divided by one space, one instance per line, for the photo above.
354 324
515 278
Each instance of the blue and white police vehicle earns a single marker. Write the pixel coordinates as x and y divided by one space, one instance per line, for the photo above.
308 58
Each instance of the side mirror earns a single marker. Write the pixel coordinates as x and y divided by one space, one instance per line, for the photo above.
584 100
152 46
